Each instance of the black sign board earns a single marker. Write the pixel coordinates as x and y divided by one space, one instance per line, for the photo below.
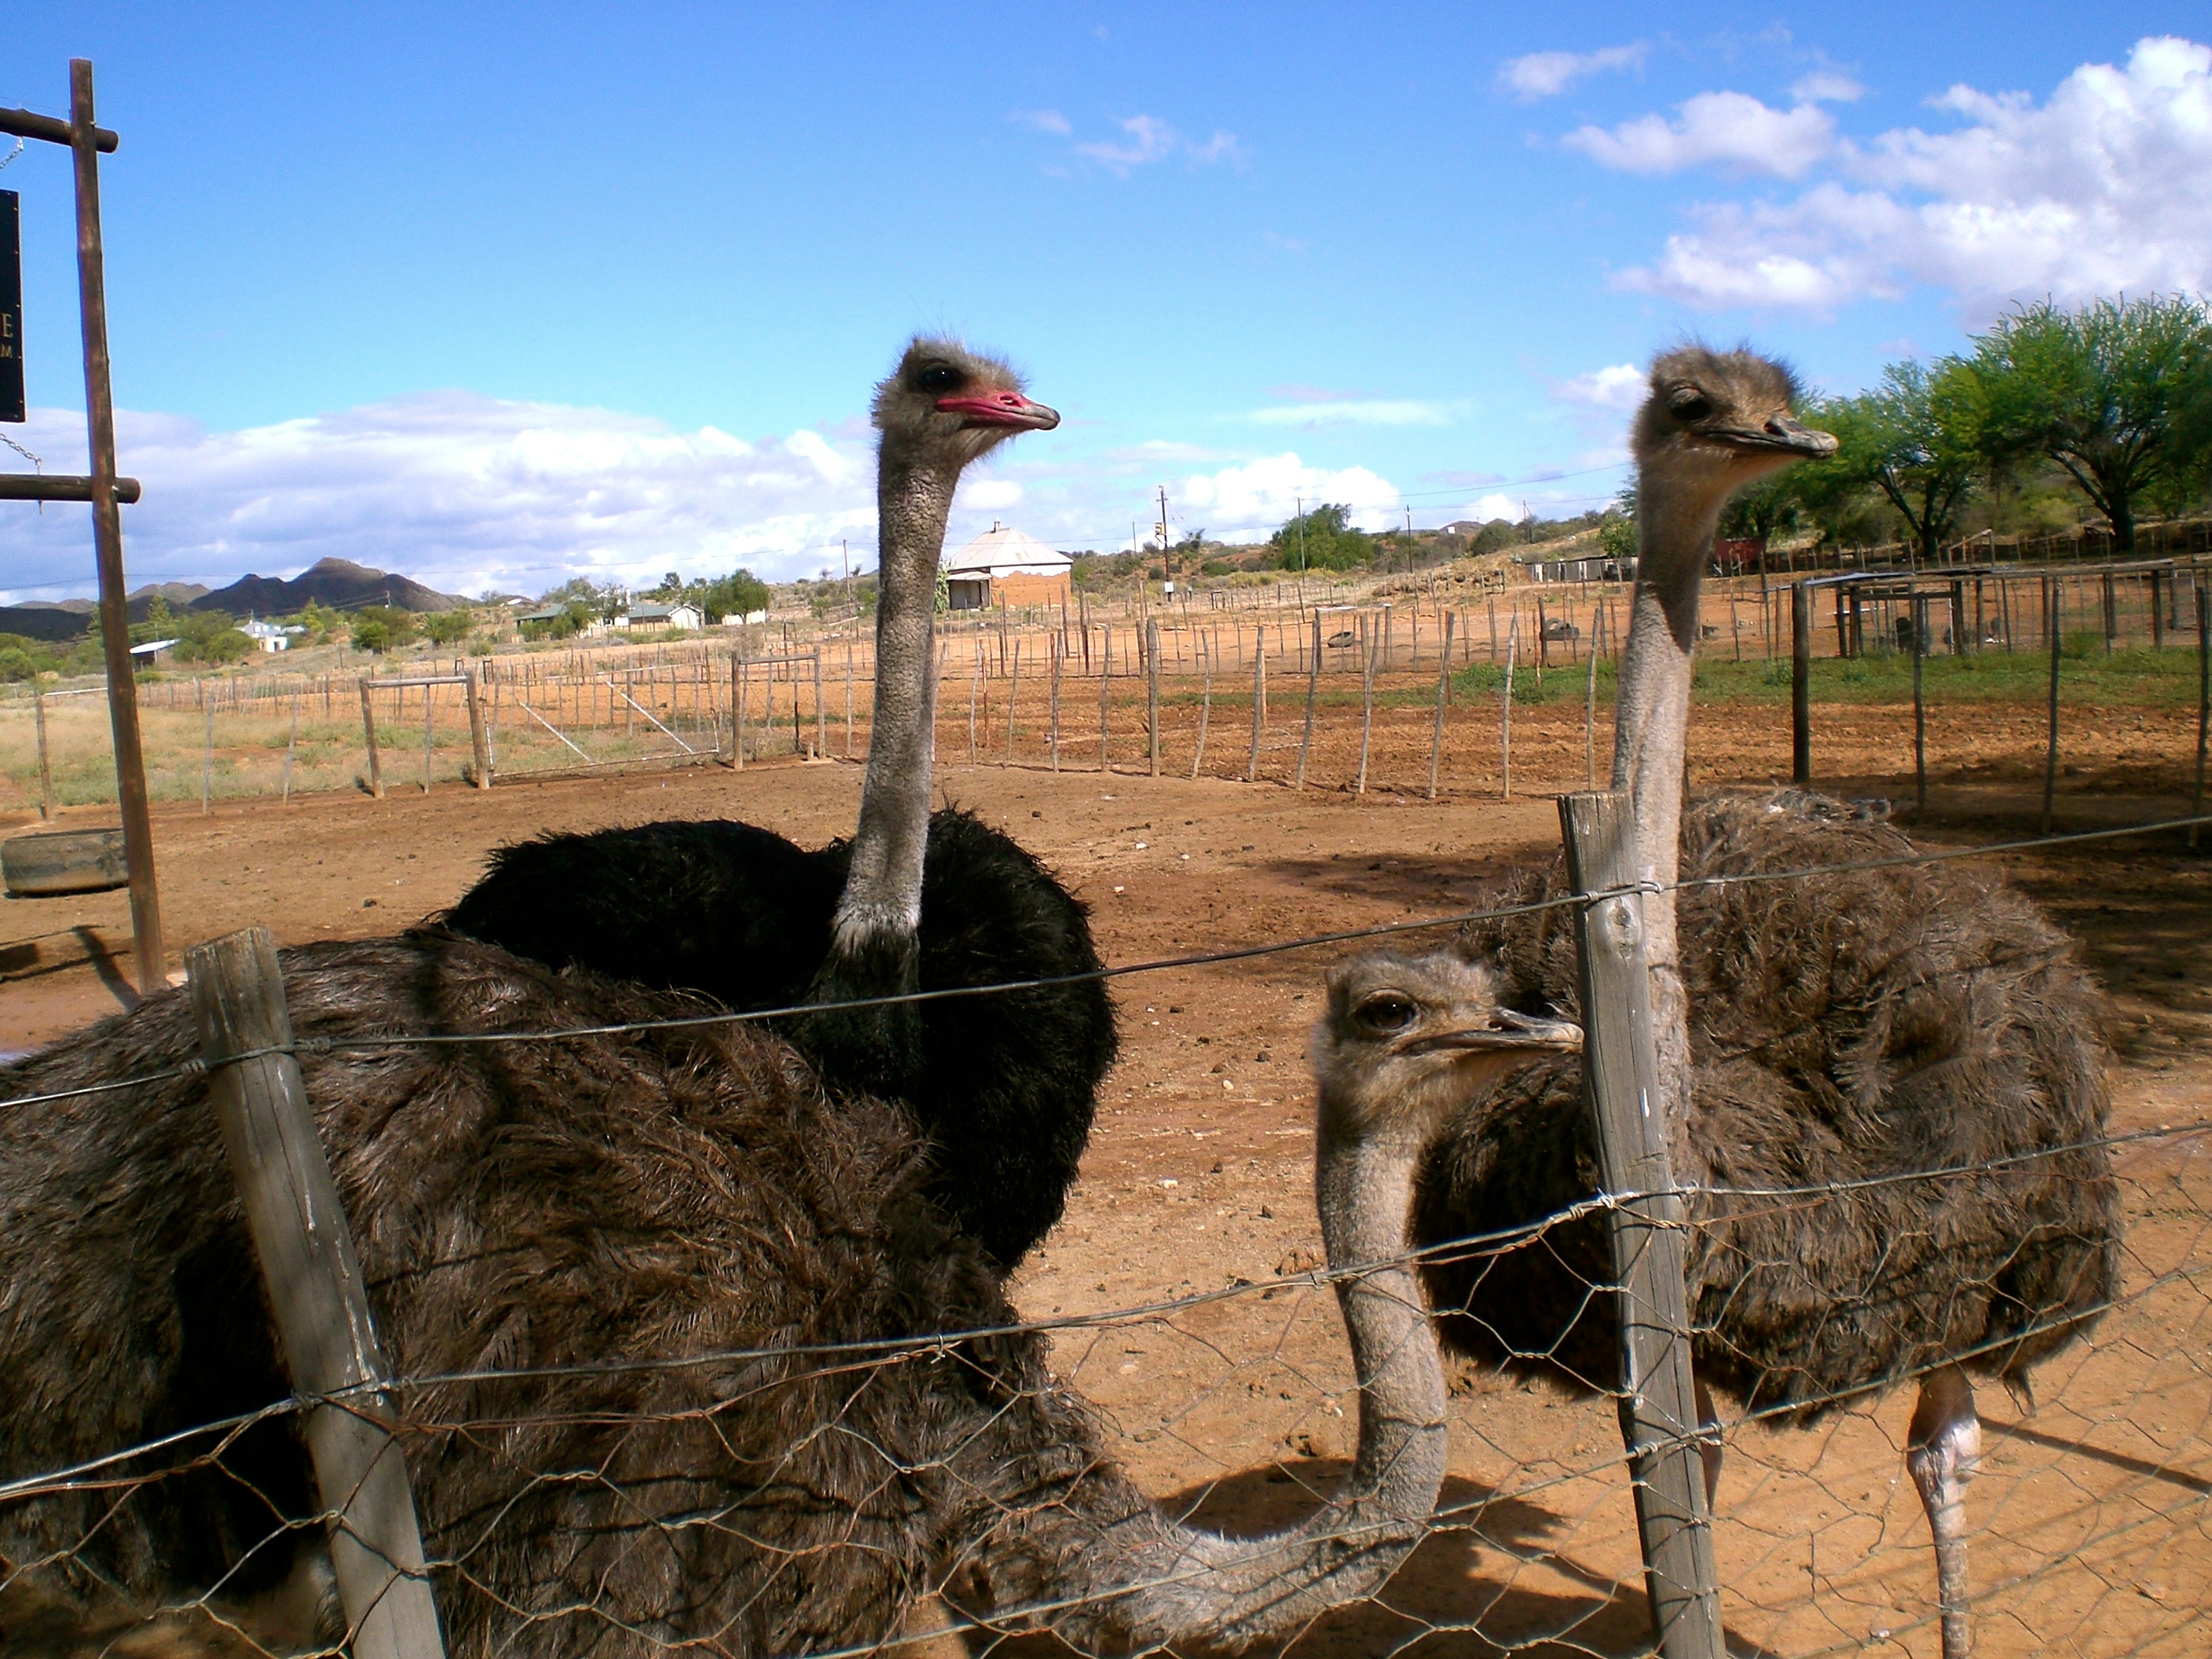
11 306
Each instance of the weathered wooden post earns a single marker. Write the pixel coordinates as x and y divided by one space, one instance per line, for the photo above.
1313 690
429 715
207 762
820 715
1919 703
1373 641
975 690
1505 714
738 677
46 771
1152 689
1013 692
1801 684
1259 703
2050 601
1657 1397
1059 644
2203 695
1205 651
316 1291
479 739
291 748
368 731
1443 694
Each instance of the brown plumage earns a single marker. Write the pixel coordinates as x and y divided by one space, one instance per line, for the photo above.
1846 1028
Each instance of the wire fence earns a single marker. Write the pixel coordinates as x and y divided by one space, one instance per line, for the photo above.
640 1491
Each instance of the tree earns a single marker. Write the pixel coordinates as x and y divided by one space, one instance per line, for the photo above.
381 628
447 627
740 593
1921 439
1323 539
2110 391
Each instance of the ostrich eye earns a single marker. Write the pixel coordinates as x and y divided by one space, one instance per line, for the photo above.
1387 1012
939 379
1690 405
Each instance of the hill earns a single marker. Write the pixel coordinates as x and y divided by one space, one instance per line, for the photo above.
338 583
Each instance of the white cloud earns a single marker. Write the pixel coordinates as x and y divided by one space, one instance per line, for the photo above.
1826 86
1619 387
1545 73
1043 120
1145 140
1260 495
1511 508
986 495
2105 187
1353 411
460 491
1727 129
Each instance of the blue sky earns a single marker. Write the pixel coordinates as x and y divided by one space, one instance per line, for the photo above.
495 294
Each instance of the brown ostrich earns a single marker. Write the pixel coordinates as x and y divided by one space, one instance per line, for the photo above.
1851 1028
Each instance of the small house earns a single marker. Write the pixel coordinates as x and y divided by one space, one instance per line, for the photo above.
269 637
653 614
1002 566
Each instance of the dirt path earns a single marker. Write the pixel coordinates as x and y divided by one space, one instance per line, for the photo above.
1199 1176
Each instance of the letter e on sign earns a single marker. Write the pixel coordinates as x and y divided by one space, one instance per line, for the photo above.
11 306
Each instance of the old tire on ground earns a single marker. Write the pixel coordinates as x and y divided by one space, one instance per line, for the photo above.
64 862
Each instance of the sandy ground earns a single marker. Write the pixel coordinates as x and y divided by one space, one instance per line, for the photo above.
1200 1176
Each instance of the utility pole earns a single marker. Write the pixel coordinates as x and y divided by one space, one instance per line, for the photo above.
1167 570
1299 503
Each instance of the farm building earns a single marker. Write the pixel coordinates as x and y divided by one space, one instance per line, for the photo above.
656 615
1003 566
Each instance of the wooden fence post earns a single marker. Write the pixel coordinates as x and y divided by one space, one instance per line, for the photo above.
1313 690
1801 684
315 1290
1443 692
1059 643
1204 651
207 762
46 772
1657 1395
974 689
821 715
2050 601
2203 694
1919 703
1152 689
1367 692
1105 679
1505 714
738 689
429 715
1259 703
368 731
479 739
1013 691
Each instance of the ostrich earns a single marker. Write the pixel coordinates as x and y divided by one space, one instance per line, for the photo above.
1844 1028
550 1232
1004 1086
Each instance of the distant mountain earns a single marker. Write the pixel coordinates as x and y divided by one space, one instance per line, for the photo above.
42 621
338 583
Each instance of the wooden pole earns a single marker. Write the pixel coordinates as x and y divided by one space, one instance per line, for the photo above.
2050 753
315 1290
1259 704
207 760
1505 714
1105 679
1657 1397
479 738
46 772
1313 691
849 700
429 708
108 540
1443 692
1058 643
1801 684
1589 724
1205 650
821 714
2203 694
1152 689
1375 641
1013 691
368 731
1919 703
291 748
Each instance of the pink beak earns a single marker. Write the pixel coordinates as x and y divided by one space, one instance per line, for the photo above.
1002 409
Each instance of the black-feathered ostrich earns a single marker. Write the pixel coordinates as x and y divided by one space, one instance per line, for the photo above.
1850 1027
607 1267
1004 1086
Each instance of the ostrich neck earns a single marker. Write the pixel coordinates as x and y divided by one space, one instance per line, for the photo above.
878 917
1651 722
1151 1581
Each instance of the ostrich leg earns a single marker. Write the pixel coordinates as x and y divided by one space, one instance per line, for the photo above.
1941 1450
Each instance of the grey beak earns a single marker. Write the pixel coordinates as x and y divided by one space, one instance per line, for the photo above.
1787 433
1506 1030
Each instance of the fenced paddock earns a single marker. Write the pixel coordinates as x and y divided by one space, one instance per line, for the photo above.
1231 1398
1360 696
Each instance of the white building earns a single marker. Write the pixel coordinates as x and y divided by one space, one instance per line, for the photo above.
269 636
653 614
1004 566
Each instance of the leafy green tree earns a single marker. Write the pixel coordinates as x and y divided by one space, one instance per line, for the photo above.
447 627
2111 393
320 621
1323 539
381 628
737 594
1921 439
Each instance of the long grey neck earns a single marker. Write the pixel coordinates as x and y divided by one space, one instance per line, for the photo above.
1652 719
872 940
1152 1582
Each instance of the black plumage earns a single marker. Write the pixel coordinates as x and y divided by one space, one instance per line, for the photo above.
1004 1086
1849 1027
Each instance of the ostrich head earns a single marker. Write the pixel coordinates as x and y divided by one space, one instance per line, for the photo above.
954 405
1405 1039
1718 420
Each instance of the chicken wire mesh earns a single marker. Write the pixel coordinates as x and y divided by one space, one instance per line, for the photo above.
561 1518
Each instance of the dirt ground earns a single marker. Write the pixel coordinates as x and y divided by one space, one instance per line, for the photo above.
2094 1513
